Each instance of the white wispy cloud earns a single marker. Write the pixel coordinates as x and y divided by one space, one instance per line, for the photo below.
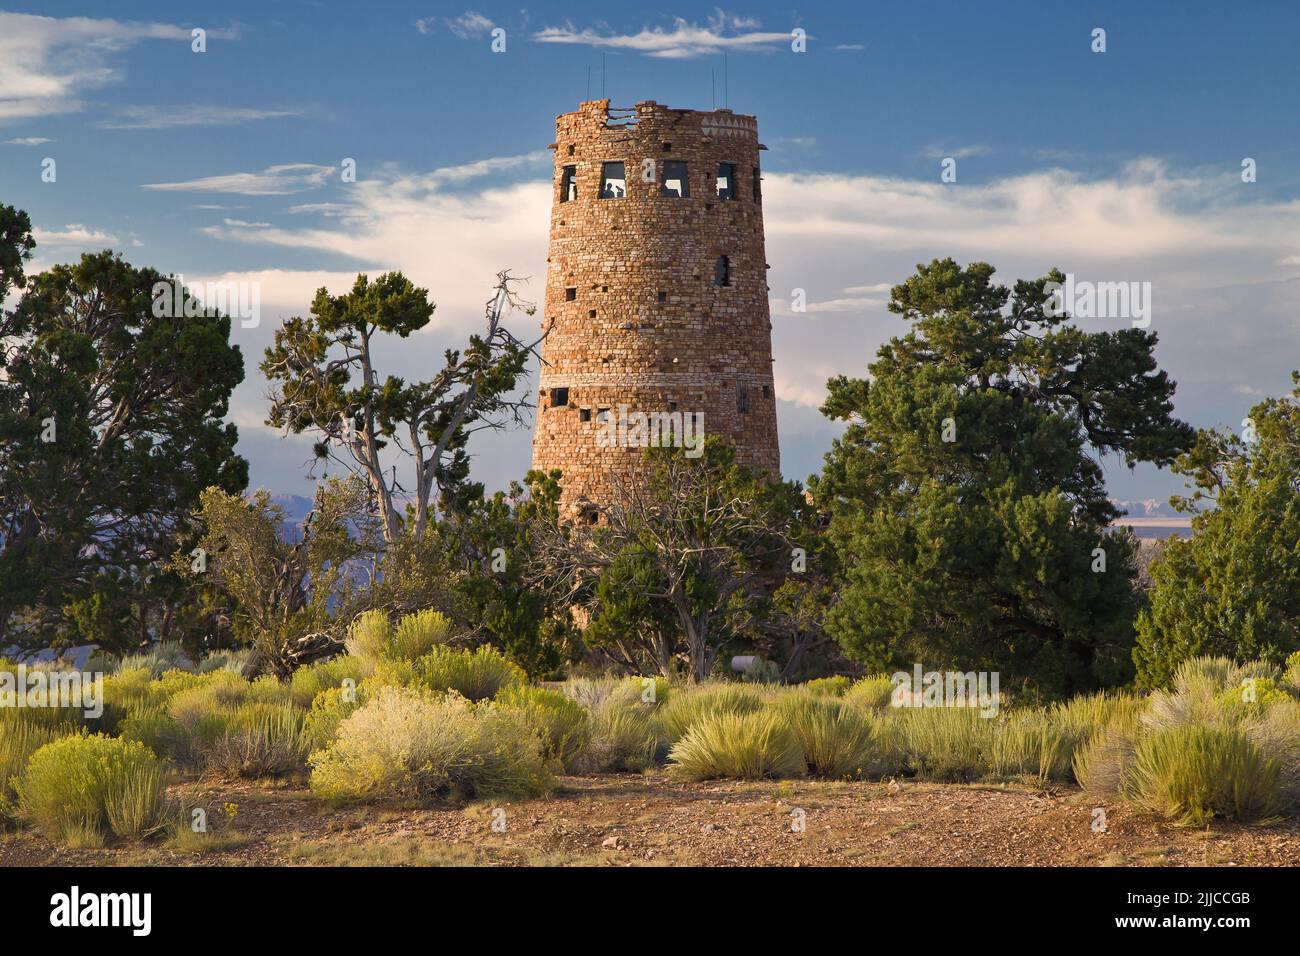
74 235
28 141
956 152
47 64
467 26
170 117
722 33
273 181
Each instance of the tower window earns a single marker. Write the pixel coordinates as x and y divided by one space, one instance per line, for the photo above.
584 414
676 185
559 397
722 271
569 184
668 147
602 414
613 183
758 186
726 181
570 149
663 296
742 400
570 293
767 391
591 314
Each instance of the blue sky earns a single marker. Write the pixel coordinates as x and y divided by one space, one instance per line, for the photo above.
1117 166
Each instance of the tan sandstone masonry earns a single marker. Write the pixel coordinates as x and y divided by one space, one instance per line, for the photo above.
656 292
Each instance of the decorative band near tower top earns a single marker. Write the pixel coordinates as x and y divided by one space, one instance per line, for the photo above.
656 292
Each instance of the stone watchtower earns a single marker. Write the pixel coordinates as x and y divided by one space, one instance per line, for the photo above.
656 292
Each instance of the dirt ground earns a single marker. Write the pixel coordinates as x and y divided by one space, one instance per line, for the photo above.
654 820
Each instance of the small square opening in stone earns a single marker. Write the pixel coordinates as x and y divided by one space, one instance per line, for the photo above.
559 397
663 296
584 414
570 293
591 314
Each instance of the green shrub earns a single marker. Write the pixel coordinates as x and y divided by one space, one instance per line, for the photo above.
739 746
372 637
1191 775
79 788
158 659
329 709
476 675
408 746
688 706
561 723
871 693
231 660
830 686
152 726
835 738
623 738
257 740
307 682
952 744
1030 744
19 739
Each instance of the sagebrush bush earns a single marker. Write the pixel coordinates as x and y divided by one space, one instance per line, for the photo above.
373 637
622 738
835 738
256 740
950 744
19 739
871 693
80 788
1191 775
156 660
688 706
739 746
830 686
561 723
409 746
476 675
307 682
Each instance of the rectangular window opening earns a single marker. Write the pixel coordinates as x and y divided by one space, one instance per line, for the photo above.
676 185
613 183
726 181
758 186
570 293
559 397
584 414
742 399
722 271
569 184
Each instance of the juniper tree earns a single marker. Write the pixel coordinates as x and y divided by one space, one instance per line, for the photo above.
1233 588
111 424
966 496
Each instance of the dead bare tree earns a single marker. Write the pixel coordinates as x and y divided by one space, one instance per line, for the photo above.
324 380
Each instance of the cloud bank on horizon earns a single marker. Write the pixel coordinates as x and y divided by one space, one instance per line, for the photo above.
452 205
